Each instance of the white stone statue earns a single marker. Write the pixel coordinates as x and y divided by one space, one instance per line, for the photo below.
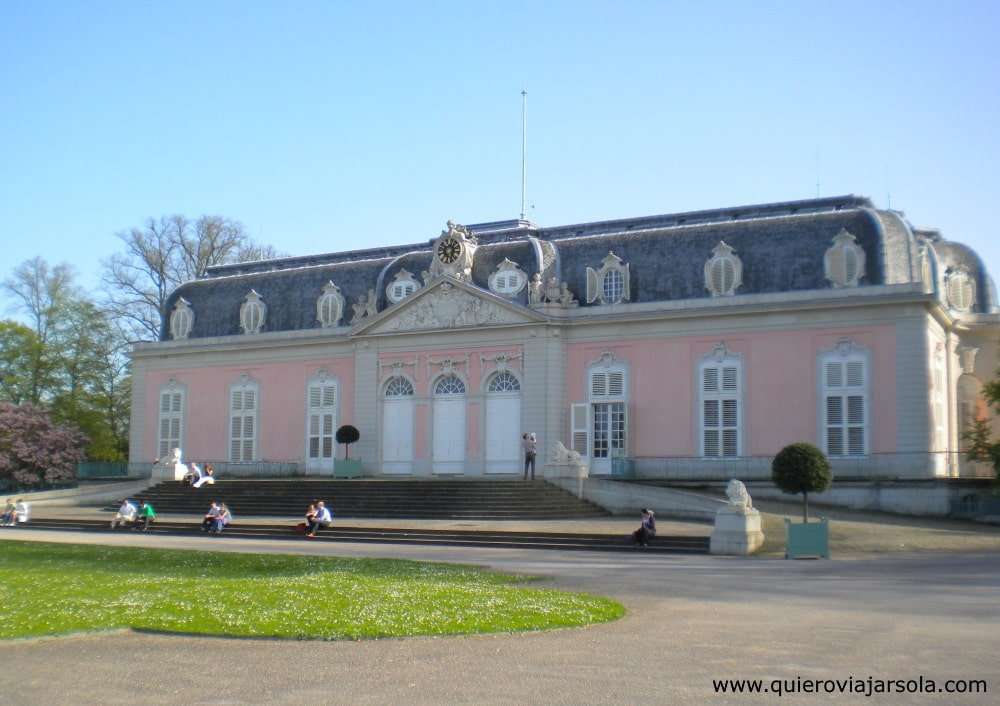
738 496
737 524
566 298
535 289
169 467
562 455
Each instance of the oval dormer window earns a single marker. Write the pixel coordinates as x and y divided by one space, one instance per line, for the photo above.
253 312
723 271
181 320
961 289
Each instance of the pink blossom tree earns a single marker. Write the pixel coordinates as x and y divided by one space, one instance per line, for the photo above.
35 451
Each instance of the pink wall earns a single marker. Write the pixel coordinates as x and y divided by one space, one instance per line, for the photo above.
423 376
281 419
780 387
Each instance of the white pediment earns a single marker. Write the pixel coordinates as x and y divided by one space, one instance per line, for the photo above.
448 304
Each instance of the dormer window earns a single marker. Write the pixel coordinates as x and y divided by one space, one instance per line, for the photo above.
253 313
723 271
509 279
402 286
961 289
609 284
330 306
844 262
181 320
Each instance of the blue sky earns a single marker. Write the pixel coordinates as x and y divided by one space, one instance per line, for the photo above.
328 126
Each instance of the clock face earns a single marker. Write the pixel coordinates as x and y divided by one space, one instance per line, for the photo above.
448 250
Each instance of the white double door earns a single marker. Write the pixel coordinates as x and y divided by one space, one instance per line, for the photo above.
449 434
397 436
321 425
503 433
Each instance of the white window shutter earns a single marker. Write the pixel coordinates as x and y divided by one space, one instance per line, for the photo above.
593 285
834 374
710 380
627 296
855 374
616 384
580 428
598 384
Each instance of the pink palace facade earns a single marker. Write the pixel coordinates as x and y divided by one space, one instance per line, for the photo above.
695 344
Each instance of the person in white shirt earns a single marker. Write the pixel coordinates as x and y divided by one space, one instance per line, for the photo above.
207 477
23 511
322 518
126 514
210 516
223 520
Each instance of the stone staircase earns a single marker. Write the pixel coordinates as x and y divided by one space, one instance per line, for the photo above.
424 537
458 499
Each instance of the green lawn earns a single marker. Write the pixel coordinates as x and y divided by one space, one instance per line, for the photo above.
50 589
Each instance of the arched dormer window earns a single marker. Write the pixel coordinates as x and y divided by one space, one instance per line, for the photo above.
611 283
961 289
403 285
181 320
844 261
330 306
253 313
509 279
723 271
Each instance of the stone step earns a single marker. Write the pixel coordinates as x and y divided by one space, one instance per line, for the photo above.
478 538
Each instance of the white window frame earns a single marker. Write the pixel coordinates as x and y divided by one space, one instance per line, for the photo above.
845 353
721 359
844 245
172 390
596 281
181 320
939 396
245 385
508 280
253 313
321 382
330 306
606 367
403 285
722 254
960 277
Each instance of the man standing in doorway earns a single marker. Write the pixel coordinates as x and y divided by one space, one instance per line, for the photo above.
530 444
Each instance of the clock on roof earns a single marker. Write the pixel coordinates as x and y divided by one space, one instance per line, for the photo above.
453 253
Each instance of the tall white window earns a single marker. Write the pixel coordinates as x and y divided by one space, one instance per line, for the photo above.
721 405
608 412
939 396
844 401
171 419
321 423
243 407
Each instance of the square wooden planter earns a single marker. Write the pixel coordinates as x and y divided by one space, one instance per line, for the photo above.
807 540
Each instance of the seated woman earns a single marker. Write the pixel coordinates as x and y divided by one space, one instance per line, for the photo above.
647 530
207 477
9 516
193 475
222 520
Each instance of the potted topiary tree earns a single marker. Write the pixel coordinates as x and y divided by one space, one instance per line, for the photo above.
802 468
347 467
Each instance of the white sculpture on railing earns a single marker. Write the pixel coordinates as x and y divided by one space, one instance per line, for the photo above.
567 463
169 467
562 455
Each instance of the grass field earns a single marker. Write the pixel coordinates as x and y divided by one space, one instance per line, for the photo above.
53 589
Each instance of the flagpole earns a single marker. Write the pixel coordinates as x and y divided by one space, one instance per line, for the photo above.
524 146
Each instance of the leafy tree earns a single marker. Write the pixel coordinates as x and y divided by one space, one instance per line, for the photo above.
801 468
34 450
347 435
979 436
163 254
20 352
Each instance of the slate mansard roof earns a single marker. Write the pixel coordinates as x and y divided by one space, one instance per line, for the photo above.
781 247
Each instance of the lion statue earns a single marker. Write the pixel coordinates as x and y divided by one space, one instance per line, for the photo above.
737 494
562 455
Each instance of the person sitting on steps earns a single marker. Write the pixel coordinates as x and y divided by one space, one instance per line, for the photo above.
194 474
207 477
9 517
146 517
126 514
647 530
321 518
209 520
223 519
